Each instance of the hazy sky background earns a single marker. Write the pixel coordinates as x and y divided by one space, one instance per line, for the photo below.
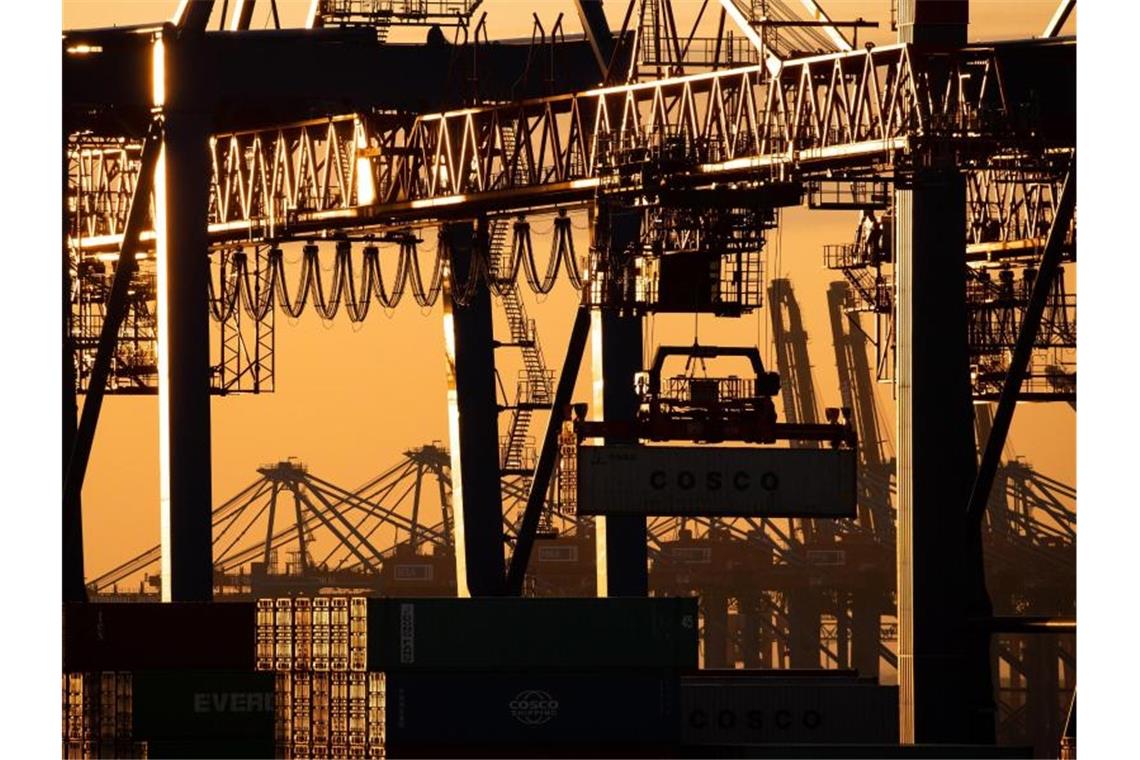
350 398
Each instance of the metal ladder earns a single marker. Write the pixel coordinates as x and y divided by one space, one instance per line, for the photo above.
515 175
535 386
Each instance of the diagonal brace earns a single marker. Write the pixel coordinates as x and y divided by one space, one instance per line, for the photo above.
545 467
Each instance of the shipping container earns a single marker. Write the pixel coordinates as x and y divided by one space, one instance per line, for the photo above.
204 713
858 751
514 633
151 635
791 710
716 481
531 714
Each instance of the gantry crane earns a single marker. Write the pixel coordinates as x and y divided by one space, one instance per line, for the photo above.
657 159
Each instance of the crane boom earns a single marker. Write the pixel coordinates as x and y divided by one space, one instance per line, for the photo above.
1060 16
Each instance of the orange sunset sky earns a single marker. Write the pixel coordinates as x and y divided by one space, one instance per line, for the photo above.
350 398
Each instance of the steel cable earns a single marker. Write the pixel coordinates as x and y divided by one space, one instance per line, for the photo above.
257 293
502 280
389 299
425 299
563 232
462 293
530 266
257 301
222 307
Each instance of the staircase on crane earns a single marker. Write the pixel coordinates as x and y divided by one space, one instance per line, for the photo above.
534 390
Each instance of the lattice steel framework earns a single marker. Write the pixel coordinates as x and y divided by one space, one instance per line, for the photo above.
863 108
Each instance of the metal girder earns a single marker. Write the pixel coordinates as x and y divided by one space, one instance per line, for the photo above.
193 15
1027 337
524 542
597 29
1060 16
267 77
817 13
744 24
243 15
1009 210
862 108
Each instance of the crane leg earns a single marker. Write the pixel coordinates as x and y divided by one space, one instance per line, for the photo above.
474 430
945 692
622 559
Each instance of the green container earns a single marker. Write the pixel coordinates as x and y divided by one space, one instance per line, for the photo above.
204 713
517 634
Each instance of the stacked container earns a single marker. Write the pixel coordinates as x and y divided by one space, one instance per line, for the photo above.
326 703
510 677
97 716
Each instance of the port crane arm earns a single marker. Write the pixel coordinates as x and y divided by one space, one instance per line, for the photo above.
1060 16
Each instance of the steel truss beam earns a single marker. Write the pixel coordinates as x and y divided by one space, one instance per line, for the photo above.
861 109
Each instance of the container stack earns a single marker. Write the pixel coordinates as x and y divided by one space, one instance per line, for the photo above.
510 677
501 677
326 703
98 716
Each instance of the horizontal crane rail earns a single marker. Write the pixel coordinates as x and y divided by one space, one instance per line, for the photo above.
860 111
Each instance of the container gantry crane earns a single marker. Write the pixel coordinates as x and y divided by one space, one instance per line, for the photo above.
653 157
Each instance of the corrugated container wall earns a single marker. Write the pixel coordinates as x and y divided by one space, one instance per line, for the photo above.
716 481
517 634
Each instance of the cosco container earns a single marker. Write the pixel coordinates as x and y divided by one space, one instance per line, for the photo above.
515 634
859 751
617 479
793 710
531 714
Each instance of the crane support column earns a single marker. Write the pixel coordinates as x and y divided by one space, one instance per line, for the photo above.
714 606
945 682
182 185
945 691
473 427
865 633
73 588
622 558
804 607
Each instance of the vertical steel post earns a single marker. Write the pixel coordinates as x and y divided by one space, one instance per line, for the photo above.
750 633
945 684
944 681
73 588
622 559
473 426
865 632
714 606
804 607
182 183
